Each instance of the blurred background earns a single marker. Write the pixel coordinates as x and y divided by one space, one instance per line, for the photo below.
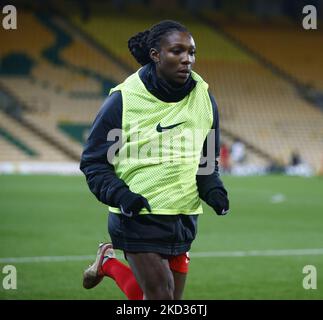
266 73
264 69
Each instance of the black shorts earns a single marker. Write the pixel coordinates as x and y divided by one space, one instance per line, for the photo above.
163 234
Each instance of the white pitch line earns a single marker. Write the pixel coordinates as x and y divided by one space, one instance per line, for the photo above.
211 254
45 259
259 253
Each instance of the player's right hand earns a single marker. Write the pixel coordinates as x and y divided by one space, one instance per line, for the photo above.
132 203
218 200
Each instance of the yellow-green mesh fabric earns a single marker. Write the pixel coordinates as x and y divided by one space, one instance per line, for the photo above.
169 186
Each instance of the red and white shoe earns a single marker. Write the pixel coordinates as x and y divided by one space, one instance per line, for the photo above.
92 276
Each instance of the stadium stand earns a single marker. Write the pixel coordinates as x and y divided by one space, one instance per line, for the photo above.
56 81
255 104
288 46
40 150
70 64
266 110
83 55
286 121
10 153
31 38
10 143
113 33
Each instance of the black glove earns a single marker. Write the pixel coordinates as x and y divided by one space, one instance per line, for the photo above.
131 203
218 200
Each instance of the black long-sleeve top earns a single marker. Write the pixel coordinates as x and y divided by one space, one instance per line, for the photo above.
100 174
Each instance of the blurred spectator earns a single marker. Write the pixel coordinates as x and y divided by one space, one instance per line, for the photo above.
225 164
295 159
238 152
297 166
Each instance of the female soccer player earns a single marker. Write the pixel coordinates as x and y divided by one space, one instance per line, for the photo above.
154 200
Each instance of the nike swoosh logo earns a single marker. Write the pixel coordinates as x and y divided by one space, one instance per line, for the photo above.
159 128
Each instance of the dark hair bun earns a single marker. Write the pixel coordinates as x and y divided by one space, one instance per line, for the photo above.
138 47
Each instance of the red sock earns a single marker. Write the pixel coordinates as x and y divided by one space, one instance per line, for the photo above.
124 278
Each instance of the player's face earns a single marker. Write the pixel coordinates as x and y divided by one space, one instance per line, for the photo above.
175 59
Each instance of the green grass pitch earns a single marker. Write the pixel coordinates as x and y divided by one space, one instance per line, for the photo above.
58 216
